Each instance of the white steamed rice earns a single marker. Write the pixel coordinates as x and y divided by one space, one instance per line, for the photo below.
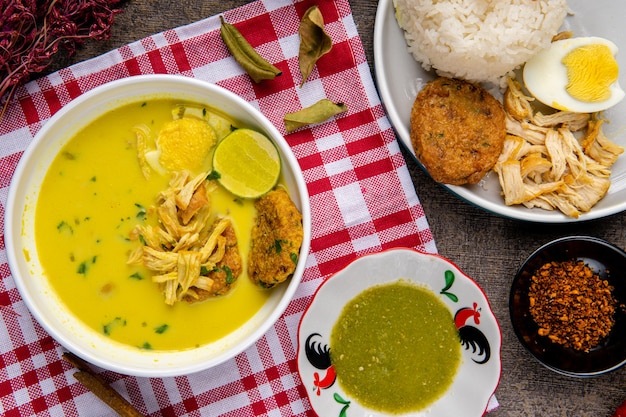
478 40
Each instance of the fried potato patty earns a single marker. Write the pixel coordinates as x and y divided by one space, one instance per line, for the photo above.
457 130
276 239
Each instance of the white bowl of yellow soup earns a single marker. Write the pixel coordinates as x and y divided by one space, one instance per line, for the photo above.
75 196
399 332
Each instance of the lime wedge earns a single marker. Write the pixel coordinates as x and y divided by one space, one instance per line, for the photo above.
247 162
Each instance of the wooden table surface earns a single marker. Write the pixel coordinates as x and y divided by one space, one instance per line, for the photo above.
486 247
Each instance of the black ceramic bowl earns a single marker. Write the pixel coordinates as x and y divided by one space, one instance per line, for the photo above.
606 260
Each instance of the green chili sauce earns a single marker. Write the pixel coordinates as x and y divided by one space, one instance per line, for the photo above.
395 348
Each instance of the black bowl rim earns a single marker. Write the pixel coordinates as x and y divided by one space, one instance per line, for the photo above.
559 241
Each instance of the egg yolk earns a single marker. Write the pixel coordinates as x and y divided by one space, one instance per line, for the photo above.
591 69
185 144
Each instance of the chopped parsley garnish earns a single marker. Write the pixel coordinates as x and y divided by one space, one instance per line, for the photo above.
136 276
141 213
65 227
82 268
161 329
278 245
229 274
226 269
213 175
108 328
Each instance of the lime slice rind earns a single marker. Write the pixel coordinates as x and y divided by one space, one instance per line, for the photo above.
248 163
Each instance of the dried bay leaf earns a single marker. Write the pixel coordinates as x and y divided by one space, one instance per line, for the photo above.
317 113
257 67
314 41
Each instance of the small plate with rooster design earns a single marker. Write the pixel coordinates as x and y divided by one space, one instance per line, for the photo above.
480 339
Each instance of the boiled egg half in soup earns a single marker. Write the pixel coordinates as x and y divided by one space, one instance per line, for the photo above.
576 74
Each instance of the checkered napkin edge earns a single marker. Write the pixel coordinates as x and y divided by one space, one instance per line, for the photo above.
362 200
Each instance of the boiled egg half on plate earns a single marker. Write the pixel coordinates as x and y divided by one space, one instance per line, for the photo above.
576 74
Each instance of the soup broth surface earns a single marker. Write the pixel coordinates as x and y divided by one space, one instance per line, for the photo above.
92 197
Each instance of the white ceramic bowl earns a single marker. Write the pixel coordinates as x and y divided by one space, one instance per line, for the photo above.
479 372
28 273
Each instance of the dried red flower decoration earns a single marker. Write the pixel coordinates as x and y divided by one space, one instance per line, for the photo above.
31 32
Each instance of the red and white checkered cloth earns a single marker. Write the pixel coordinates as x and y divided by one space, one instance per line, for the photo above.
362 200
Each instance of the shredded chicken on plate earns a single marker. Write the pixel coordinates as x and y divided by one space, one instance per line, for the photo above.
185 249
544 164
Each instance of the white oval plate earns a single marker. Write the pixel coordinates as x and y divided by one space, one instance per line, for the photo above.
399 78
474 383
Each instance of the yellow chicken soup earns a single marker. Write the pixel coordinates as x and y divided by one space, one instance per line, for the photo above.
94 195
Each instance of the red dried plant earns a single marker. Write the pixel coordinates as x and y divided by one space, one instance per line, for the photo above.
31 32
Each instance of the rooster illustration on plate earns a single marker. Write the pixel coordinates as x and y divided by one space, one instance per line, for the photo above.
466 320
